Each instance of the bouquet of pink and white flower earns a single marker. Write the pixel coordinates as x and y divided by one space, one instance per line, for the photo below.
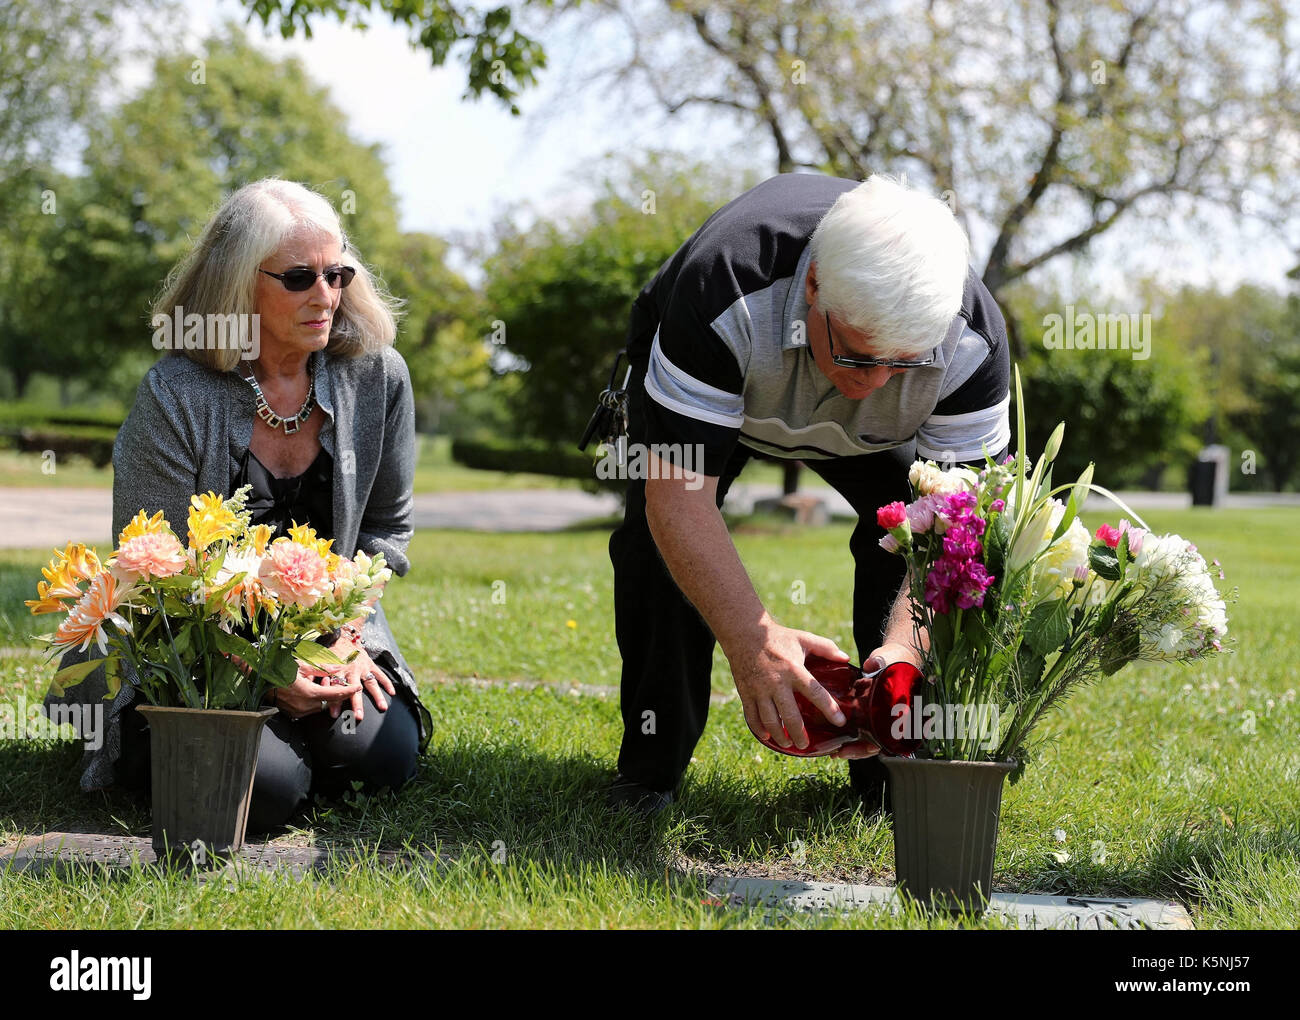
210 623
1015 604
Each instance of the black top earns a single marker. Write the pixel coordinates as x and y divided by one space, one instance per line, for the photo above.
279 503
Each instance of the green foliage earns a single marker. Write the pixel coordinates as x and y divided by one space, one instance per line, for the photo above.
1133 418
448 361
498 57
539 458
564 290
156 170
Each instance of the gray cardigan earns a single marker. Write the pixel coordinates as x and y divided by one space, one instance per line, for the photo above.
187 432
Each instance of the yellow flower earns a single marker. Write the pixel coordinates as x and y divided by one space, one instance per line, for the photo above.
260 535
44 601
210 521
305 535
63 578
142 524
83 562
571 624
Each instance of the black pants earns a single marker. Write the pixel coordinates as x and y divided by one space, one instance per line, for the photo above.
666 646
299 758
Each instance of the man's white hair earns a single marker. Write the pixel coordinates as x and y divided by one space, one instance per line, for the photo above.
891 262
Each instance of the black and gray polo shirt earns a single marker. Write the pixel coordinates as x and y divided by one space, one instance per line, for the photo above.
723 328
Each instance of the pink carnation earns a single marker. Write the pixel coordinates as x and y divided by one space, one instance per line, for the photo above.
1109 535
159 554
920 515
1135 536
891 516
294 573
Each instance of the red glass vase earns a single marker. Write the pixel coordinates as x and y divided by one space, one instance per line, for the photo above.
876 706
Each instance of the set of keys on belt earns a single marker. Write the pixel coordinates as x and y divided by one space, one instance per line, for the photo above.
609 421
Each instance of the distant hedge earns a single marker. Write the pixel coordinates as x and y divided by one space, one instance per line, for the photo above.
94 442
29 415
558 461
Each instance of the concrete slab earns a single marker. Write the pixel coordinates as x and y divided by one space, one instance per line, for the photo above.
68 852
1023 909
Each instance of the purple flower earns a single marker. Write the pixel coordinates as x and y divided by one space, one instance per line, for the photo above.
961 543
972 583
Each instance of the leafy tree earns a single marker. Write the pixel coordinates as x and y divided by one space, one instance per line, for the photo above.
449 360
1263 419
498 58
562 291
1135 418
56 61
207 123
1048 123
56 58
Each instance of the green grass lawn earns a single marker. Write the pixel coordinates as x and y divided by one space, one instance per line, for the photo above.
1154 778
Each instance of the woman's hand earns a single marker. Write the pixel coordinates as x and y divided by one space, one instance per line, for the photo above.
361 674
305 696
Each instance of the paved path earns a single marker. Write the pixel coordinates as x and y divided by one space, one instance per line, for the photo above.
41 518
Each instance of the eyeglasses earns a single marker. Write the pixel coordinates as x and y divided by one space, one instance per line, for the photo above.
846 362
337 277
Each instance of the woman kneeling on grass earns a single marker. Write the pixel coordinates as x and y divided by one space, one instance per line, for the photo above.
321 423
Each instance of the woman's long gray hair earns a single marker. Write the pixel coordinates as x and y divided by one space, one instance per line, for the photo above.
219 276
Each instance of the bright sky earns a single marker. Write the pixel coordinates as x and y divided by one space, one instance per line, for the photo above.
455 164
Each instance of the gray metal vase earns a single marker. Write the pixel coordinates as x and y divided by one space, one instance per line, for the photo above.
946 828
202 765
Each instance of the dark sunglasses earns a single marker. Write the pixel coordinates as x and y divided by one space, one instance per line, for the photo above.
300 278
846 362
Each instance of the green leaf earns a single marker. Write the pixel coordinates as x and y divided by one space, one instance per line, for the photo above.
1105 618
1048 626
1120 649
1104 562
72 675
316 655
1078 493
181 639
112 677
281 668
1030 667
232 644
216 596
181 584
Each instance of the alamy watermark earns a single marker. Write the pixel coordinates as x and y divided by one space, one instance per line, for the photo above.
1084 331
77 973
21 721
182 331
929 720
624 460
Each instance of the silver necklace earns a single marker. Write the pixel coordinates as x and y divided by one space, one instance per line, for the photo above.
291 425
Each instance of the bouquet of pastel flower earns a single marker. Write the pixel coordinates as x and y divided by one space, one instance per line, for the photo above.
208 624
1015 605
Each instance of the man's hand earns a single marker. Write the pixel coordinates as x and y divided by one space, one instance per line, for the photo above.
889 653
885 655
768 672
